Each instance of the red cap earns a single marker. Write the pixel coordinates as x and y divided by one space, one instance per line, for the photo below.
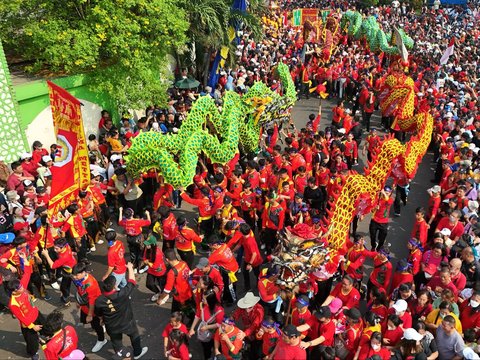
19 226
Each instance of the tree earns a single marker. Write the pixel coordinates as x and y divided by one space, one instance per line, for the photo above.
122 44
210 21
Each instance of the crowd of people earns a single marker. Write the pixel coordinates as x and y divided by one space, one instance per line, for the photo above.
228 297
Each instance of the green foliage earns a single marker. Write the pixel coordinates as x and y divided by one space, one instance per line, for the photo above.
367 3
122 44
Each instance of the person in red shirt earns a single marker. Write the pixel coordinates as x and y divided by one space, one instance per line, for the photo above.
185 241
415 255
369 108
223 257
351 151
75 229
252 258
372 144
168 224
228 340
248 203
175 323
420 227
394 331
269 334
250 314
324 333
65 261
289 346
153 258
300 314
273 218
209 316
252 175
87 211
382 270
355 258
21 305
346 292
379 224
205 209
235 188
470 312
117 266
453 224
163 196
62 340
87 292
375 348
178 285
441 282
133 229
178 346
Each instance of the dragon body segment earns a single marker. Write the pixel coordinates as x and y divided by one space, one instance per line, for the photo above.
238 125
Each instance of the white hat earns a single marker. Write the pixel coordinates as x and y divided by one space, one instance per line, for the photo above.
420 94
46 158
25 156
449 114
115 157
175 130
400 305
248 300
451 104
435 189
430 90
476 150
95 173
471 146
341 131
445 232
473 205
412 334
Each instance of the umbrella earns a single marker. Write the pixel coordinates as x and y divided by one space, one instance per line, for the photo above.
187 83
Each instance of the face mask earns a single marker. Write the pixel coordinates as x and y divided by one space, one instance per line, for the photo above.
110 243
452 218
474 304
79 282
376 347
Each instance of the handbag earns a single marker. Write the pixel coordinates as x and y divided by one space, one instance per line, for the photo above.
205 335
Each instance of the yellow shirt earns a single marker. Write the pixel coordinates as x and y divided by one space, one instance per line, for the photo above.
436 319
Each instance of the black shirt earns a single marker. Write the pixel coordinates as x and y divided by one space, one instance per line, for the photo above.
116 309
314 197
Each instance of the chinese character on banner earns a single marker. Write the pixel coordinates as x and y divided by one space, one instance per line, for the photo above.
69 173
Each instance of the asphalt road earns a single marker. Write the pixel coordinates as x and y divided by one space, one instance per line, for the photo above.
152 319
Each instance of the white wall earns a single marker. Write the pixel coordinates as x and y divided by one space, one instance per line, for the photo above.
41 128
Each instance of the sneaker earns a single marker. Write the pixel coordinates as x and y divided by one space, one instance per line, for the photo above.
397 215
142 270
100 242
155 297
55 285
262 246
93 248
99 345
144 351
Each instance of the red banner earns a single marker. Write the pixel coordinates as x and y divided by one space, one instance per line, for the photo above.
71 169
310 15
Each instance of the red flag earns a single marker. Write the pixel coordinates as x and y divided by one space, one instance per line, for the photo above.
448 52
71 169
